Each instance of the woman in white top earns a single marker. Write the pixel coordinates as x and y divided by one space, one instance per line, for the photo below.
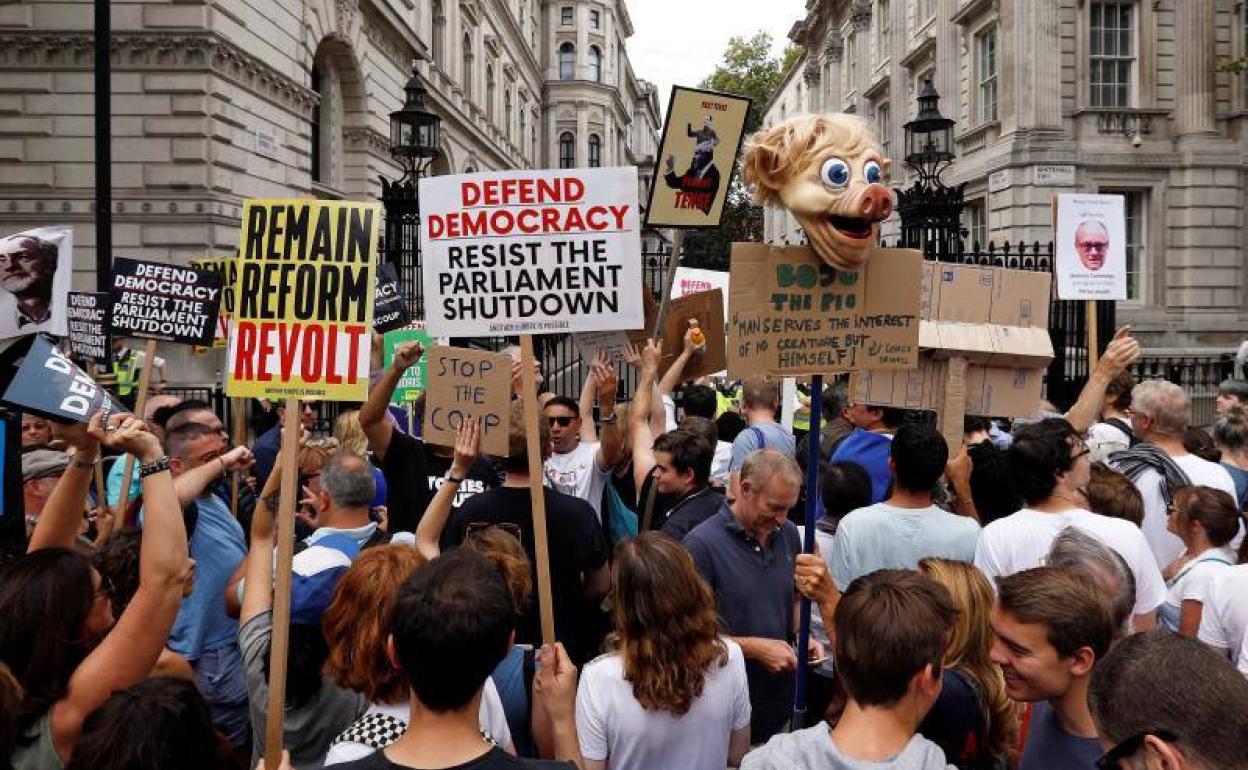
1205 519
673 693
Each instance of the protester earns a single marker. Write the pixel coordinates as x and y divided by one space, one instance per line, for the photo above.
1112 433
1163 701
700 401
973 720
266 445
1048 465
1224 615
760 403
41 474
349 433
342 506
682 471
868 444
892 629
836 426
907 527
1052 625
579 464
993 495
402 458
1230 433
357 624
155 724
1205 520
58 637
127 369
672 692
36 432
1160 412
452 624
1232 392
747 554
1112 494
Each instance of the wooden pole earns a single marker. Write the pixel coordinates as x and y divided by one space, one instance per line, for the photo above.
1094 352
281 587
101 493
536 488
238 433
669 280
140 402
411 418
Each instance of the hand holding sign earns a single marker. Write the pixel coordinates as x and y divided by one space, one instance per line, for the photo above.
468 384
467 447
406 355
126 433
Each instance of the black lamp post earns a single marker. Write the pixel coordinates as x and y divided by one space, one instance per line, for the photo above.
930 211
414 137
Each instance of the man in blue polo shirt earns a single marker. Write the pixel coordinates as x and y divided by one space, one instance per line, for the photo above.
747 554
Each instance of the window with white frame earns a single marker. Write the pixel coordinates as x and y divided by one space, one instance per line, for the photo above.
884 126
881 30
975 220
565 16
1111 49
986 73
567 62
595 19
1135 204
595 64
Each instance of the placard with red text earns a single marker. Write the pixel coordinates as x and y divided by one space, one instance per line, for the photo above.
531 252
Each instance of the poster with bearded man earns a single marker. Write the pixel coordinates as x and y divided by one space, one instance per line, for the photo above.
35 274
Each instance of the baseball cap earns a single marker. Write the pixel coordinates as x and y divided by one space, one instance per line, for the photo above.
38 463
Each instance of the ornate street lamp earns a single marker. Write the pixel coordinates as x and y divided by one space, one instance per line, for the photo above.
930 212
414 130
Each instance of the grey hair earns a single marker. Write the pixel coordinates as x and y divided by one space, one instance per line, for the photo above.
348 479
762 465
1083 553
1166 403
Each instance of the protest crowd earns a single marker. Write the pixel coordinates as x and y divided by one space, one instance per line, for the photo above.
1063 591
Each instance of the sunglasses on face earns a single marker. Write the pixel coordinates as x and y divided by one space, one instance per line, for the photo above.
506 526
562 422
1109 760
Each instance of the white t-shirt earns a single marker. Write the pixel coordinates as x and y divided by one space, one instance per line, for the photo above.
1225 615
1022 540
577 473
1242 662
493 721
1167 547
1193 583
1104 439
721 462
611 723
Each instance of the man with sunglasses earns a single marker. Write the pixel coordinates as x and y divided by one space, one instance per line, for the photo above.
1049 468
1195 717
580 463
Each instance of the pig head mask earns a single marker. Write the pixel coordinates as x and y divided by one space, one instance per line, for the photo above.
828 170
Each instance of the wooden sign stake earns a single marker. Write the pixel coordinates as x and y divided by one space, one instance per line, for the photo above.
536 488
669 280
140 403
281 589
1094 352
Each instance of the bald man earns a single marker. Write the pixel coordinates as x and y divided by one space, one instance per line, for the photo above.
1092 243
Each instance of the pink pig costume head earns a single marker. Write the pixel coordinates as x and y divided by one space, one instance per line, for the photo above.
828 170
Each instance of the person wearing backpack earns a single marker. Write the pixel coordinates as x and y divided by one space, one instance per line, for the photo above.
1113 432
760 402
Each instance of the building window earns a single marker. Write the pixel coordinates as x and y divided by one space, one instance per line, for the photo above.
1112 49
595 64
881 30
595 151
1135 204
489 93
507 115
467 64
884 126
567 150
565 15
595 19
567 62
439 34
986 72
524 123
975 220
533 141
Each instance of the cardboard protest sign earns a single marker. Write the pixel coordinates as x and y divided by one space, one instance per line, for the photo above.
38 270
790 314
389 312
228 268
49 384
305 292
468 383
522 252
701 138
88 326
155 301
707 308
691 280
613 344
1091 247
412 383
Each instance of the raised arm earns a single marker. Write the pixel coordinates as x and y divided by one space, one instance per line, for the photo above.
1121 352
429 531
373 412
647 359
192 483
258 566
589 432
131 649
606 381
62 513
672 377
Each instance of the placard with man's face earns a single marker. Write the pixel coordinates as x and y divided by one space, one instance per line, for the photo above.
1091 247
35 273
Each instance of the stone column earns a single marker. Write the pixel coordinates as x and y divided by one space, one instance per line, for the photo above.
1037 65
1194 38
582 133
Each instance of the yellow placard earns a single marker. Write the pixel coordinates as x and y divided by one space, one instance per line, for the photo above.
303 309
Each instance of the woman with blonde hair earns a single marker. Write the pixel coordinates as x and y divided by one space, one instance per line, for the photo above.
673 693
973 720
350 433
357 626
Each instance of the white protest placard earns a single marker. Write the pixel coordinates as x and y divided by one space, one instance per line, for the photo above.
612 344
1091 236
531 252
692 280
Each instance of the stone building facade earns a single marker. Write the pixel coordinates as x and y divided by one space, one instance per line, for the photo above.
214 102
1064 96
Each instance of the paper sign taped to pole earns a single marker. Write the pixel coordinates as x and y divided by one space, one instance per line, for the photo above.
701 139
1091 238
34 287
155 301
305 293
49 384
88 326
790 314
531 252
412 383
390 312
612 344
468 383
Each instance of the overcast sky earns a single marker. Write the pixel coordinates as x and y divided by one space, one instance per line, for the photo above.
679 42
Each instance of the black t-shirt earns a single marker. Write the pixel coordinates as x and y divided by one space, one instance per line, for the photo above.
625 486
494 759
406 469
576 546
692 510
958 722
482 476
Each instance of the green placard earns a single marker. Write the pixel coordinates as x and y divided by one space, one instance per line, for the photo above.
412 383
